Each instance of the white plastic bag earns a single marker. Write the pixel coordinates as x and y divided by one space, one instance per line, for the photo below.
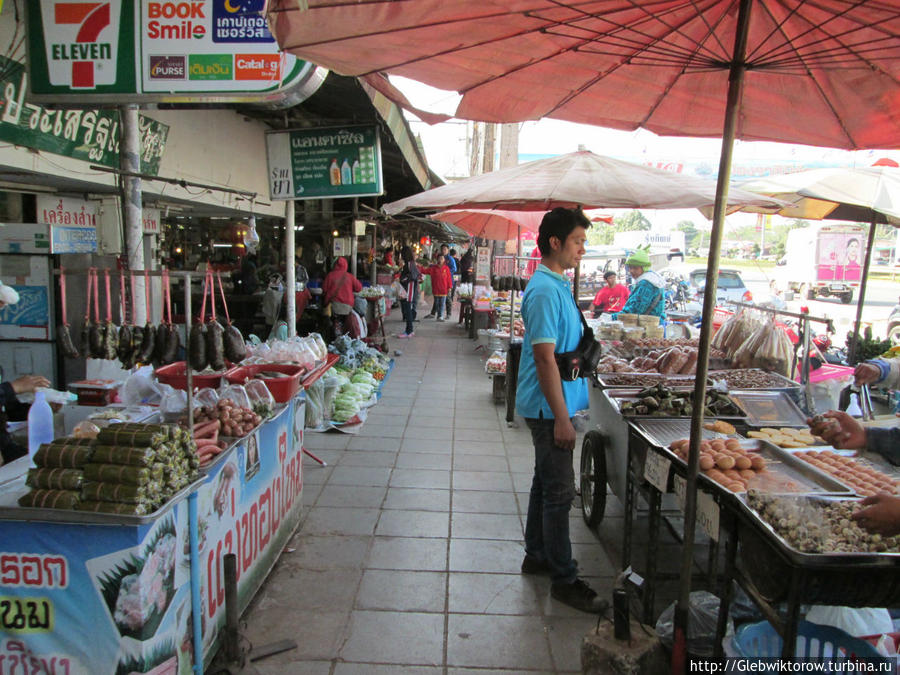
141 388
261 400
855 621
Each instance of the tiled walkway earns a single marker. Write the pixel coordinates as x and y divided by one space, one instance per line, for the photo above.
407 560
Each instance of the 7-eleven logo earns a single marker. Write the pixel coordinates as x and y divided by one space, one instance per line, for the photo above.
81 40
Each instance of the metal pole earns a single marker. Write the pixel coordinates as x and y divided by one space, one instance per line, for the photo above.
291 281
373 273
232 637
130 161
732 108
187 334
353 241
870 243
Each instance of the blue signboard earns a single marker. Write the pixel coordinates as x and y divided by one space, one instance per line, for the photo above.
65 239
239 21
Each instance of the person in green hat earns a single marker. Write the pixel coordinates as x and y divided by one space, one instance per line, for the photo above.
648 295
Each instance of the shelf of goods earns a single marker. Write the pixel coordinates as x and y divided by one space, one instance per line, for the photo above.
738 479
150 603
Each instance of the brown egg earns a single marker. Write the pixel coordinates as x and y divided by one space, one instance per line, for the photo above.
733 444
757 463
743 462
707 462
717 445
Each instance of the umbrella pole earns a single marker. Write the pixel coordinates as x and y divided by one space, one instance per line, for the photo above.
854 338
732 108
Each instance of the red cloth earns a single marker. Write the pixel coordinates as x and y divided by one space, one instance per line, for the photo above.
339 284
441 280
611 299
534 262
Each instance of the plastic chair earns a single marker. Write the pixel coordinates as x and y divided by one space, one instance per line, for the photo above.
814 641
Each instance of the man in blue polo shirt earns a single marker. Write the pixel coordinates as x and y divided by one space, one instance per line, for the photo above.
553 325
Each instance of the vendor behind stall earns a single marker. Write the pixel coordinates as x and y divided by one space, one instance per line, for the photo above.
337 291
12 408
612 297
649 295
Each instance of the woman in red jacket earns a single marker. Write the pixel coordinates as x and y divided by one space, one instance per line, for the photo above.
441 283
337 290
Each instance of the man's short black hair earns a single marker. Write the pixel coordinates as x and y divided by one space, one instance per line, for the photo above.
559 223
452 251
608 274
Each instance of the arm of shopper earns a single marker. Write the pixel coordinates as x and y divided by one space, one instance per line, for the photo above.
881 514
886 442
551 386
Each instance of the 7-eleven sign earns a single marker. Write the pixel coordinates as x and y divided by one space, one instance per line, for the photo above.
81 41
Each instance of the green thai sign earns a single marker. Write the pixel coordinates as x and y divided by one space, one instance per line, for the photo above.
89 135
324 163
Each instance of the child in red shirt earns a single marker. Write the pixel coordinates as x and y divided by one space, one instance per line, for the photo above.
441 283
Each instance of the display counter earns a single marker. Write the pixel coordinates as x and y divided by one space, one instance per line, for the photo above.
95 593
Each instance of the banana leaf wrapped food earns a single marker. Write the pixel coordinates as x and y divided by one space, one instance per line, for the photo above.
55 479
119 508
50 499
116 492
123 454
66 453
121 434
122 473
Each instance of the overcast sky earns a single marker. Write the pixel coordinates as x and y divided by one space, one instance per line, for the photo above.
445 148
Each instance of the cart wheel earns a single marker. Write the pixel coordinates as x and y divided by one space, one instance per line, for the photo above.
593 478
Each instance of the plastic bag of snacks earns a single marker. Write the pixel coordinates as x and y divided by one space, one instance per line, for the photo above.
261 400
237 394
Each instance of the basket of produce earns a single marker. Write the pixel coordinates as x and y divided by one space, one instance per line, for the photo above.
175 375
842 564
282 379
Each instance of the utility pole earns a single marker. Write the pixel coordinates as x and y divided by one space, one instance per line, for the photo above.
490 143
130 164
476 165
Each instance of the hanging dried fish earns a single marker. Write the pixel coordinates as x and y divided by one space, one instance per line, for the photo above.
110 341
137 342
125 349
97 340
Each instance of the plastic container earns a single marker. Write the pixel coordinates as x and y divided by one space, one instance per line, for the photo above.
40 424
175 375
283 388
828 371
813 641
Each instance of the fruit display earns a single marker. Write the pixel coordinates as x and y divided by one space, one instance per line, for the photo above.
815 526
786 437
864 480
660 401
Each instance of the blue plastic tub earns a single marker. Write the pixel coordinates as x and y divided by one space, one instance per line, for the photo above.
814 641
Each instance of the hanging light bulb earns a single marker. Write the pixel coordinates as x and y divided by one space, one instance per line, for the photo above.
335 233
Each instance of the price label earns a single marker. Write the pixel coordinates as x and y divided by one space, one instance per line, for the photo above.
708 515
679 485
656 471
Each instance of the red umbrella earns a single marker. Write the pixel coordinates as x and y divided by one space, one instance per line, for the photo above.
497 225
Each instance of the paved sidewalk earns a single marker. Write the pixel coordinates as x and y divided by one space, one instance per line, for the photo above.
407 559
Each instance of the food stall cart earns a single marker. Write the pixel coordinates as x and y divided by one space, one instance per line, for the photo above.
91 592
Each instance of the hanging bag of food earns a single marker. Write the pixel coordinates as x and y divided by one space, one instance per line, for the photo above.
197 340
111 332
235 349
215 334
124 349
148 346
69 349
137 332
172 336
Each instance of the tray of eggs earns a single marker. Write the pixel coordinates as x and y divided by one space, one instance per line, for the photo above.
858 474
738 465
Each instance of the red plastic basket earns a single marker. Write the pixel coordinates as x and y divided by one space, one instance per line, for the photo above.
283 388
720 316
175 375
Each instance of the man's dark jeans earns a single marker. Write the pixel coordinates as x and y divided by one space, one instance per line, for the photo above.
552 492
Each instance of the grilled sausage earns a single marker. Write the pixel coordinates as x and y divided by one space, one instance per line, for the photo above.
215 345
235 349
148 343
70 351
197 347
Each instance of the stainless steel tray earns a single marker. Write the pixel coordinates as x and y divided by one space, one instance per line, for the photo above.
817 559
617 395
663 432
607 380
769 408
795 469
779 382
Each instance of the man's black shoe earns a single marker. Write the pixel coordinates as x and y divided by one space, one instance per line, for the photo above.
532 565
579 596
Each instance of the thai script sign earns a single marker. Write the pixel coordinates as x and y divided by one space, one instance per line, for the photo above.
330 162
194 50
89 135
73 223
